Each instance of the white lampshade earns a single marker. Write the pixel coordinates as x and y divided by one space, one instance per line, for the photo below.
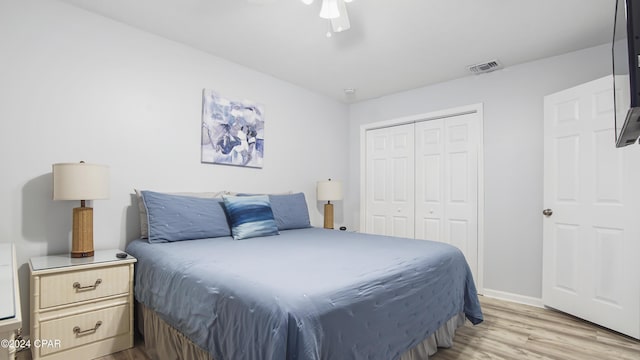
329 9
330 190
80 181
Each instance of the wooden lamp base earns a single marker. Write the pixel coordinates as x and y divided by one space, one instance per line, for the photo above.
82 237
328 216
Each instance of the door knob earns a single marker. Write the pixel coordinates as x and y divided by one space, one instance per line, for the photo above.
547 212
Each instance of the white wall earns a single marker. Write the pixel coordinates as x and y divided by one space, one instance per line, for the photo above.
76 86
513 157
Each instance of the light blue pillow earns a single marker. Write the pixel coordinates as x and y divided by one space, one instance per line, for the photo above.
176 218
290 211
250 216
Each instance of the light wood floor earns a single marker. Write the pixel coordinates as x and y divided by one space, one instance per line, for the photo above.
514 331
510 331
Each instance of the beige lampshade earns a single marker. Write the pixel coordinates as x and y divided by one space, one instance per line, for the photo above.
80 181
329 190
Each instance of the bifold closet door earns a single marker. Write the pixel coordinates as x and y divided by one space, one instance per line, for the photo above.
422 182
390 181
446 183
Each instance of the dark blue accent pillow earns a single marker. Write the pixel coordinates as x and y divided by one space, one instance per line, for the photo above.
176 218
250 216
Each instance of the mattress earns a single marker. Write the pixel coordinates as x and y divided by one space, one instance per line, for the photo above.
305 294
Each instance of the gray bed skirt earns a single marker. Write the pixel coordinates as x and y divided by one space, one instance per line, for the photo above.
161 341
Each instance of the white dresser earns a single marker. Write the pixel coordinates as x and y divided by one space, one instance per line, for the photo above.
81 308
10 317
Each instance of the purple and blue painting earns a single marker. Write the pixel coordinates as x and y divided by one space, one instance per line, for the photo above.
232 131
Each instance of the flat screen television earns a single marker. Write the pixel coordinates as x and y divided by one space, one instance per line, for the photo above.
626 74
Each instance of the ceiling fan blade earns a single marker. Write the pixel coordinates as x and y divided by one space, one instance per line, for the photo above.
341 23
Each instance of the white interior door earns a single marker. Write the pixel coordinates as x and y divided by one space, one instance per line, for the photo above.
390 176
447 183
592 227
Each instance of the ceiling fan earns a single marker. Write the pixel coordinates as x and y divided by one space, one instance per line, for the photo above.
336 12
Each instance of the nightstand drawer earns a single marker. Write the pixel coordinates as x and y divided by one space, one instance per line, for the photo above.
74 286
92 326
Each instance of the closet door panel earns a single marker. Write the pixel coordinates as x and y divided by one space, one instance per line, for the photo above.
429 180
390 176
447 183
461 184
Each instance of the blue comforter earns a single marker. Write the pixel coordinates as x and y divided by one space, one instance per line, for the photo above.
305 294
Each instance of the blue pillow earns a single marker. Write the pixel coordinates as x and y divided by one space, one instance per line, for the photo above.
250 216
290 211
175 217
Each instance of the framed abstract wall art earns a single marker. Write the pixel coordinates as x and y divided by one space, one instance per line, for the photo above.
232 131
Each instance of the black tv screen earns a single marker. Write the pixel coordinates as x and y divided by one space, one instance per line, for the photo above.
626 75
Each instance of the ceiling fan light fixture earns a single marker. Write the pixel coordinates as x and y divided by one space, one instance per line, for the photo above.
341 23
329 9
307 2
329 33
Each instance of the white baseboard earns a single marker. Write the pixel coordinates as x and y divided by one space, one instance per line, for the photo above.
521 299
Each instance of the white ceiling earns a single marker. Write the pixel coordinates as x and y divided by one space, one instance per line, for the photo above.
393 45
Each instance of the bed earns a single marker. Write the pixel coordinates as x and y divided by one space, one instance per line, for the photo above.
299 293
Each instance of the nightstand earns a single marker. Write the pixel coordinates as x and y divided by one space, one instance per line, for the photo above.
81 308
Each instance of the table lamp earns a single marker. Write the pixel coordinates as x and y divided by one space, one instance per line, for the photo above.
329 191
81 181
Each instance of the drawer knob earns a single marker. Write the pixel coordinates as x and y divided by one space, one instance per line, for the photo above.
77 286
79 332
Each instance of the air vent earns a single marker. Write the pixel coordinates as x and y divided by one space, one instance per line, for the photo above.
486 67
